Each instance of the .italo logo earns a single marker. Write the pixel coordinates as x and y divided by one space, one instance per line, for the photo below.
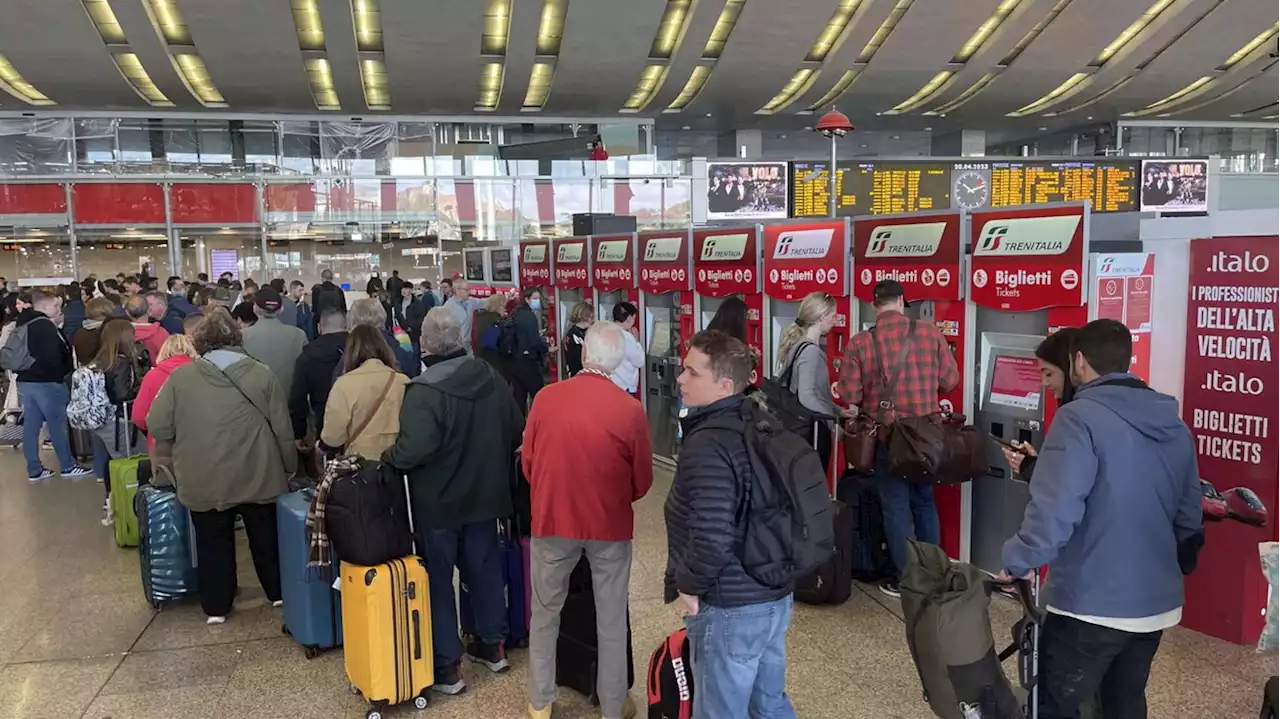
803 244
1027 235
909 240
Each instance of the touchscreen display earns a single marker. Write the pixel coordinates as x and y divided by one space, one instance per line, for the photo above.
1015 383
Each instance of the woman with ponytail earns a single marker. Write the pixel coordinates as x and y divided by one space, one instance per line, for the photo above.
802 360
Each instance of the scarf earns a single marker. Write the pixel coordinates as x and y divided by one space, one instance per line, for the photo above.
92 324
319 551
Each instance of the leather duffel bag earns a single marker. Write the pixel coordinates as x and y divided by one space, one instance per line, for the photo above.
936 447
860 436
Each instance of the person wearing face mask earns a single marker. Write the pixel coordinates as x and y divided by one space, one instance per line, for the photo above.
531 349
802 361
1054 355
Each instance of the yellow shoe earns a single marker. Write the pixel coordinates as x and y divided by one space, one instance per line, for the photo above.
629 708
544 713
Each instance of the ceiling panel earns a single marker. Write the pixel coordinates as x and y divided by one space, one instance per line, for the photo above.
225 33
604 49
433 54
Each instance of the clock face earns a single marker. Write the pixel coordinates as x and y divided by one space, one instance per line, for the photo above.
970 190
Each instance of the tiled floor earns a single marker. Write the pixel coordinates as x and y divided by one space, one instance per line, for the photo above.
77 639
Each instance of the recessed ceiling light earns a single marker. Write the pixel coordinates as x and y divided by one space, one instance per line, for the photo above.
686 127
863 145
1089 117
708 114
942 114
782 137
878 114
928 129
1043 129
895 137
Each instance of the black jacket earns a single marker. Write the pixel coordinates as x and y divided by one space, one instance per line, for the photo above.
574 339
373 287
48 348
529 342
394 285
459 429
326 295
313 376
704 513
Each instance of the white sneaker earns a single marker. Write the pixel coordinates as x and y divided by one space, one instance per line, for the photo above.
76 471
107 518
215 620
44 474
278 603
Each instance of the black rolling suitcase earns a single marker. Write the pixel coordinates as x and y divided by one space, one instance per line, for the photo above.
832 583
870 557
577 651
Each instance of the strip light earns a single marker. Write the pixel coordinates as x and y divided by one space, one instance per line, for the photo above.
711 52
373 76
965 96
1081 80
1207 83
491 76
493 44
539 86
834 31
104 19
13 83
1225 93
671 30
320 79
550 36
366 15
799 83
1249 47
551 26
868 52
131 70
943 80
310 31
366 18
1095 98
167 20
306 20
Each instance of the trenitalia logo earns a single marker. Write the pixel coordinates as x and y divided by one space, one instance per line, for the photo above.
569 253
914 240
535 254
803 245
663 249
1027 235
612 251
722 248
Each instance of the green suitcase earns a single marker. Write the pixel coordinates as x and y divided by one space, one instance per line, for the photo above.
124 486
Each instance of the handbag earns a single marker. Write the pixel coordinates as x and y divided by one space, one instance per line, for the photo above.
913 446
861 435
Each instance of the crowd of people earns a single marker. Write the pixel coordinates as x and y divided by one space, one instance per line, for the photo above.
236 401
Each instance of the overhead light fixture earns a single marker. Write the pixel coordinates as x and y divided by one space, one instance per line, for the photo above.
497 27
984 31
172 29
131 70
1034 32
1208 98
965 96
651 78
539 86
675 19
833 32
104 19
868 52
366 18
1205 84
924 94
310 31
366 15
320 79
801 81
491 76
551 26
373 76
1129 33
306 21
1094 98
1249 47
1050 97
725 23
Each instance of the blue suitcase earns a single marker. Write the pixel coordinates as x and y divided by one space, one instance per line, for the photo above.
166 547
514 570
312 609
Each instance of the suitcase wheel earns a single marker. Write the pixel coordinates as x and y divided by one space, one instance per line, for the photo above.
354 689
373 714
311 651
284 629
420 701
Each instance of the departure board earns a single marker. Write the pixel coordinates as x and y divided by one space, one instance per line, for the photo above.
870 187
892 186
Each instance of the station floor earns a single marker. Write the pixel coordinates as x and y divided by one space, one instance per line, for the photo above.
78 640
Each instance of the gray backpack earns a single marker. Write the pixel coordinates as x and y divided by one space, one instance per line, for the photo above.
15 355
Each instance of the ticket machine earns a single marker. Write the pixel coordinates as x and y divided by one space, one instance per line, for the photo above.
613 272
922 251
1026 279
572 283
536 264
475 269
726 262
666 304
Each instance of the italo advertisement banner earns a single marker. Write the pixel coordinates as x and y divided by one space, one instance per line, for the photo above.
921 251
1229 400
800 259
1029 258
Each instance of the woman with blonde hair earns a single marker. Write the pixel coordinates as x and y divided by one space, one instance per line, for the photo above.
581 317
175 352
362 414
802 360
486 331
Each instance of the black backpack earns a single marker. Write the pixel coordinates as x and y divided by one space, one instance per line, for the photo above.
508 342
784 403
789 526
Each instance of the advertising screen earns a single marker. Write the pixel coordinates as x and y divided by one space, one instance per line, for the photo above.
746 190
474 265
1015 383
1181 186
502 271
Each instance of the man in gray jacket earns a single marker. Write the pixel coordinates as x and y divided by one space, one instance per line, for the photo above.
463 306
272 342
1116 490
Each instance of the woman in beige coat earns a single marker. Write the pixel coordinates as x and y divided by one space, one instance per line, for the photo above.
363 411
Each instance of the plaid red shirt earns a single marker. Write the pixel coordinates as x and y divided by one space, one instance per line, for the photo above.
929 368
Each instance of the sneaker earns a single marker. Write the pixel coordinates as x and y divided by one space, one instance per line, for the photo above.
108 518
76 471
449 680
211 621
278 603
544 713
491 656
239 523
44 474
889 588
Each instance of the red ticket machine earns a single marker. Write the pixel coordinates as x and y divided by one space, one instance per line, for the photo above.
666 304
923 251
1027 277
800 259
572 282
613 273
726 262
535 271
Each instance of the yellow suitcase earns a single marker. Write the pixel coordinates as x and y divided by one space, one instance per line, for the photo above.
386 627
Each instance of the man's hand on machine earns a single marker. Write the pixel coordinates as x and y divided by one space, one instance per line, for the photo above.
1003 576
1013 455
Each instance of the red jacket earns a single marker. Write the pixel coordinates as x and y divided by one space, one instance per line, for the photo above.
588 456
150 387
152 336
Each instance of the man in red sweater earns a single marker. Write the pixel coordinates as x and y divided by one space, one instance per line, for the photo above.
588 457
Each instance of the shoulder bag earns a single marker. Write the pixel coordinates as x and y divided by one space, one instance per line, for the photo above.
364 424
862 434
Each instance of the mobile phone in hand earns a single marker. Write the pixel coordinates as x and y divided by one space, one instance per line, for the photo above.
1006 443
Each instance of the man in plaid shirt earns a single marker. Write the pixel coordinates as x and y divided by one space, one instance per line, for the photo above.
927 368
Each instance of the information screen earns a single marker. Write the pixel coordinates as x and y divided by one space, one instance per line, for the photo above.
1110 186
1015 382
473 261
870 187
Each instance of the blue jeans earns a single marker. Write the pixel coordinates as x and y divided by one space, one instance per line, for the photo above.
45 403
740 660
909 512
475 550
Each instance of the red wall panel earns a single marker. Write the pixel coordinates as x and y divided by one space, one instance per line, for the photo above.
212 203
295 197
22 199
118 203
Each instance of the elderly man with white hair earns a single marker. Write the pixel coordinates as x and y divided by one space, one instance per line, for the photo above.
459 430
464 306
369 311
588 458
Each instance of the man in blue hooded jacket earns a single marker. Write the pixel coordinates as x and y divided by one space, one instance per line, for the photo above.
1116 490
